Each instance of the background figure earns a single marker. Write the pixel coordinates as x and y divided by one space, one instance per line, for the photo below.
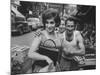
62 26
72 44
44 47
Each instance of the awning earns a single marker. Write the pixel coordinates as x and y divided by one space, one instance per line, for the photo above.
17 13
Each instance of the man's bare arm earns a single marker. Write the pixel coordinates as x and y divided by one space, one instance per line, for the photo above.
81 49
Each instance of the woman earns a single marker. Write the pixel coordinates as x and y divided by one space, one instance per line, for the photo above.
43 49
72 46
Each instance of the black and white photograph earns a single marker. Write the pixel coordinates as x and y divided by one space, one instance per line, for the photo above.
52 37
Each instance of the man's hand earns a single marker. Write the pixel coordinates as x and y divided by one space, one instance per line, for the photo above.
69 50
66 51
72 50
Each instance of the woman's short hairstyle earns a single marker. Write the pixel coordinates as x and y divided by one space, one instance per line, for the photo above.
51 13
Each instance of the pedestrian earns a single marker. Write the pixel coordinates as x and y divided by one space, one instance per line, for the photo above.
72 46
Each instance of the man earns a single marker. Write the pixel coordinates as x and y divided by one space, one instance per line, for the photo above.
72 43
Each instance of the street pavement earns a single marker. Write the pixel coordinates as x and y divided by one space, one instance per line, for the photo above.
22 40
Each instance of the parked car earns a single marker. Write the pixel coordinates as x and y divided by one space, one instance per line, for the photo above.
33 23
20 26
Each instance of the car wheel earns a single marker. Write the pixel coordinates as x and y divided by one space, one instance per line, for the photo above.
29 28
20 31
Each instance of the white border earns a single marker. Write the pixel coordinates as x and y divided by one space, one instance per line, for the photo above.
87 2
5 36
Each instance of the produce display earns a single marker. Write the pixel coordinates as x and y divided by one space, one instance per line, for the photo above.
18 58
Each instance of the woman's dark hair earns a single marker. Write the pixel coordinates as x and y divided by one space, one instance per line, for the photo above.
51 13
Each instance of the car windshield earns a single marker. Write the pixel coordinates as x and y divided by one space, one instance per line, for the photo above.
17 19
36 20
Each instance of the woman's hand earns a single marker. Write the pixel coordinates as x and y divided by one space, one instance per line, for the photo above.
48 60
48 68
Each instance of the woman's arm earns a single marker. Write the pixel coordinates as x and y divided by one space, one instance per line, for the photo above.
34 47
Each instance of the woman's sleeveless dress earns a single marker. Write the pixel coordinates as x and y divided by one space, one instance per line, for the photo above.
48 47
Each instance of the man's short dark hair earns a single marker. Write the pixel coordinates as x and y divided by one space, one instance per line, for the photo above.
70 19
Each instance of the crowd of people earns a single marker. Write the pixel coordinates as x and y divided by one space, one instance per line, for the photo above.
89 34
